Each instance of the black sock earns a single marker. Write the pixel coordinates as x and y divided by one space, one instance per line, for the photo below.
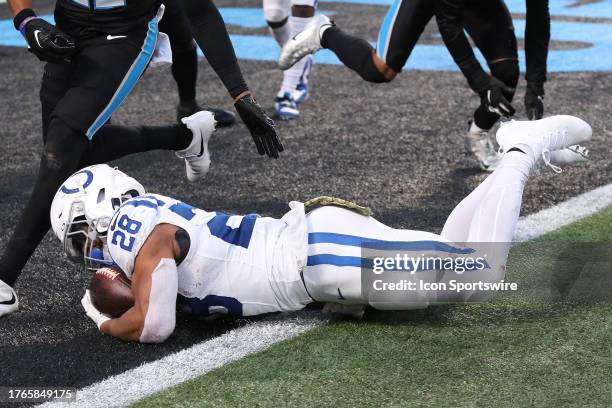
355 53
114 141
185 73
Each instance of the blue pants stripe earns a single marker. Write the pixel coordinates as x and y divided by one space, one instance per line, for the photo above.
137 69
371 243
386 29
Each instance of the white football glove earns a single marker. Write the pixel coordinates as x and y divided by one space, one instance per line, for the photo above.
90 310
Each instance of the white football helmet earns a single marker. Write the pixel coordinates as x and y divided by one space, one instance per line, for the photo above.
82 209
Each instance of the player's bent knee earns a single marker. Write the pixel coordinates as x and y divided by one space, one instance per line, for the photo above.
183 47
275 14
64 147
371 72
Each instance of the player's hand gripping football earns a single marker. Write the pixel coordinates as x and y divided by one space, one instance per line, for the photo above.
90 310
534 100
495 100
260 125
47 42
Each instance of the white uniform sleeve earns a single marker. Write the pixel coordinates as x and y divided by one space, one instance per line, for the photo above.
161 314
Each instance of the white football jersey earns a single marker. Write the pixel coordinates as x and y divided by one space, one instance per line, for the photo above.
238 265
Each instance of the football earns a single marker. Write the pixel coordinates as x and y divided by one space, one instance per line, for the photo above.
111 292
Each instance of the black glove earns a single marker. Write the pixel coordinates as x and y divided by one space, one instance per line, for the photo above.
44 40
495 99
534 100
260 125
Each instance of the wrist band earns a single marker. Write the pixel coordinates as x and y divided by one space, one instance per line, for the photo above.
22 18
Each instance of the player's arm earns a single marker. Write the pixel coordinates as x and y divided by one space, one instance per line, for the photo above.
537 39
212 37
17 5
154 284
44 39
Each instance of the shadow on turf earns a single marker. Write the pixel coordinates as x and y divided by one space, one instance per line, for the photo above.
487 314
434 205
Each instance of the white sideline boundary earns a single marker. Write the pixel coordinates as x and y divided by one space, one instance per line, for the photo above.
137 383
565 213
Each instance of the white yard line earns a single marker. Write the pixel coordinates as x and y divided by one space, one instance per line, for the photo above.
203 357
135 384
545 221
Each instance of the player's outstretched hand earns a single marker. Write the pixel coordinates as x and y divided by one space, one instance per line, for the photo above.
47 42
534 100
260 125
91 311
495 100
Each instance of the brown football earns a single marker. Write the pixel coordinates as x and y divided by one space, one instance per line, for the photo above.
111 292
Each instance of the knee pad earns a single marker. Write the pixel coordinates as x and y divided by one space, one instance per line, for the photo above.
276 11
506 71
370 72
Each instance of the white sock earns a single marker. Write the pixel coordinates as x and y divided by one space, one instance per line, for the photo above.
291 77
323 28
281 34
475 129
497 213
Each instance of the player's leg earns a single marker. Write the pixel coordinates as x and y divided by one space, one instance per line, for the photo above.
490 213
401 29
185 64
294 87
189 140
60 158
491 28
335 243
61 150
276 13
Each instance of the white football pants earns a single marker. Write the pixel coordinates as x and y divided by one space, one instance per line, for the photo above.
488 215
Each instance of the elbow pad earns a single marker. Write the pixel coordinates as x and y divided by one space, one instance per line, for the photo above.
161 314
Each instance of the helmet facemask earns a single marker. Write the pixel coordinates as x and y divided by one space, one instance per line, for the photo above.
96 254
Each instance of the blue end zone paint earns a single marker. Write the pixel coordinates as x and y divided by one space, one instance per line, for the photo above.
429 57
601 9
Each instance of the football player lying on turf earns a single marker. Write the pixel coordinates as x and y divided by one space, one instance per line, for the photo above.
249 265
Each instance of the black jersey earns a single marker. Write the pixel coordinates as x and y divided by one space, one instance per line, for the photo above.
84 19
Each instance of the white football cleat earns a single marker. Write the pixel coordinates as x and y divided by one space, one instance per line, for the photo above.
196 155
480 145
304 43
8 299
564 157
544 135
286 108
